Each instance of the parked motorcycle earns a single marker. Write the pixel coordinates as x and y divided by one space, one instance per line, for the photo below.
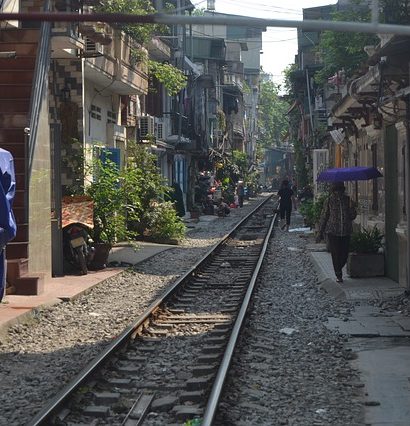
77 221
78 247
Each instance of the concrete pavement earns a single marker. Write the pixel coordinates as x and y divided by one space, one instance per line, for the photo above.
379 339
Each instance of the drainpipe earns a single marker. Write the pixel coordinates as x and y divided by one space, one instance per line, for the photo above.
310 106
407 182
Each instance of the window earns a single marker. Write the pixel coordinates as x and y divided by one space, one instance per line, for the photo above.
96 112
111 117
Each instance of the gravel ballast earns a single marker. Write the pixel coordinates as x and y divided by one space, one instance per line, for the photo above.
302 378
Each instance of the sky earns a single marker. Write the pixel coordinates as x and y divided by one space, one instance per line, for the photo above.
279 44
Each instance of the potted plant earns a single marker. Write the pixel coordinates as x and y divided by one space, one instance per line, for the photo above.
366 258
164 225
195 211
109 193
312 209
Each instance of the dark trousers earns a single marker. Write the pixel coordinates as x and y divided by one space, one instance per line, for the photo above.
339 249
285 210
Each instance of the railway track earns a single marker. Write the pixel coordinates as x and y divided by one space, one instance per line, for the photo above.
170 365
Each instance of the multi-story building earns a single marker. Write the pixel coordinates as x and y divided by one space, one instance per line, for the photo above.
236 88
72 88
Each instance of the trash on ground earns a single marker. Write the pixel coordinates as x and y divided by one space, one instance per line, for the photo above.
294 249
297 285
321 411
304 230
288 331
225 265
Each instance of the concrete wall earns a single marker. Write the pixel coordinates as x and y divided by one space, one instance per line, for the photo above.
39 199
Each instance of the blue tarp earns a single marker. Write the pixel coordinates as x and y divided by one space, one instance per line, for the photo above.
8 226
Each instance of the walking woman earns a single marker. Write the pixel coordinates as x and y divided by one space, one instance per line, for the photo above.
285 203
336 222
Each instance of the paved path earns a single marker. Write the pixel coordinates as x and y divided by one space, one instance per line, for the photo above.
379 339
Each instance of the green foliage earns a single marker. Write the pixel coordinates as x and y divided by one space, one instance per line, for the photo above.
73 163
199 11
108 191
344 50
193 422
221 120
312 209
140 33
147 183
395 11
240 162
289 73
272 115
300 163
163 222
130 200
137 56
246 88
366 241
171 77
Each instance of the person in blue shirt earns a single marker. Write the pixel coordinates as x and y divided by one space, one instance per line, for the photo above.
8 226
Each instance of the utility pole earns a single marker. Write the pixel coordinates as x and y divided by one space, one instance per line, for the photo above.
407 187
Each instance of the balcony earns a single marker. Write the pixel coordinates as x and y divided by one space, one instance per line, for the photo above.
113 65
65 40
233 80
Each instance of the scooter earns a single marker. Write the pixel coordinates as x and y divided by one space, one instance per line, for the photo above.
78 247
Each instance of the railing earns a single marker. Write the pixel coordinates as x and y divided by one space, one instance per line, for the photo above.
40 79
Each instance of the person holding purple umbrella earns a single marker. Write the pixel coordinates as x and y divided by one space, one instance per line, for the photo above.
336 222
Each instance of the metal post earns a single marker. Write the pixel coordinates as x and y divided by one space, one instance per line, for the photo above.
407 177
310 105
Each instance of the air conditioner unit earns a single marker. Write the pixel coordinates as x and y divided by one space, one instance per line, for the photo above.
146 125
159 128
159 131
92 48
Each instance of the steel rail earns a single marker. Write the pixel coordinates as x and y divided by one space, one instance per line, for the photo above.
53 405
167 19
217 387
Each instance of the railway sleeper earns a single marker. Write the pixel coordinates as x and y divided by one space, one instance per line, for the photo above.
208 358
128 368
204 369
157 331
185 412
102 398
120 383
138 359
100 411
165 325
211 349
192 396
215 340
199 383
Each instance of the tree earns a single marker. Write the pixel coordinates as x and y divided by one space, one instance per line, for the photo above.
341 49
272 114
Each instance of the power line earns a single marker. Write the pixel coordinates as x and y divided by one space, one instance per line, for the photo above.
246 21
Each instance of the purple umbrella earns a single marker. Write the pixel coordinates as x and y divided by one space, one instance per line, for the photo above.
349 173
